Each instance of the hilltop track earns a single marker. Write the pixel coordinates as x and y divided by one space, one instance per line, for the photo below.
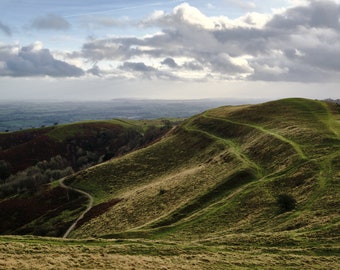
296 147
88 208
233 147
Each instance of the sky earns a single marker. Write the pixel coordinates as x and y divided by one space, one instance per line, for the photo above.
104 49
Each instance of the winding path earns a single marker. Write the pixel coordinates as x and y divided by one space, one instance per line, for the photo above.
295 146
88 208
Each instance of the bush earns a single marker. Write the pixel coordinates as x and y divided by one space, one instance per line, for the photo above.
5 170
162 191
33 177
285 202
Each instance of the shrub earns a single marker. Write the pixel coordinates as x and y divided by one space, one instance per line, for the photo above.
285 202
5 171
162 191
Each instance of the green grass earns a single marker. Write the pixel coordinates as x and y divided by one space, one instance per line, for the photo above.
257 251
189 185
207 192
63 132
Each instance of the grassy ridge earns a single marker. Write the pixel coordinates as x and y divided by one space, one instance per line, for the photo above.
221 172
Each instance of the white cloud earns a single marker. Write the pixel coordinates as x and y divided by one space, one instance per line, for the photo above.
300 43
33 60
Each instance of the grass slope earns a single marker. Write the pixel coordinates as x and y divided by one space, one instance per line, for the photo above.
49 209
221 173
205 196
25 148
48 253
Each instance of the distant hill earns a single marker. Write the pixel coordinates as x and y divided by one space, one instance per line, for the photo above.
337 101
20 115
265 175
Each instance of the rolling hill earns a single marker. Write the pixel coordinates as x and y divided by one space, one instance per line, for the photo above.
222 172
252 186
75 142
31 159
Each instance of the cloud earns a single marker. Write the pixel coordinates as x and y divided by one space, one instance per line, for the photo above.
184 15
50 22
193 65
33 60
169 62
187 35
6 29
140 67
300 43
318 14
95 70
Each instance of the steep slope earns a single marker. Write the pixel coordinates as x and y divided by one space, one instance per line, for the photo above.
260 169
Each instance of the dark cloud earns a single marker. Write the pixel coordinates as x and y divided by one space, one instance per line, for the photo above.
301 44
112 49
319 14
140 67
33 60
50 22
169 62
95 70
5 29
147 72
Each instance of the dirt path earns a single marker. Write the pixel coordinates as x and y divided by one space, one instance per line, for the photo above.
88 208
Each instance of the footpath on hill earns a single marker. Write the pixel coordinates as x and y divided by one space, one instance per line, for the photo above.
296 147
88 208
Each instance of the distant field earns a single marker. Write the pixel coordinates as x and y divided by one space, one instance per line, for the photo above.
33 114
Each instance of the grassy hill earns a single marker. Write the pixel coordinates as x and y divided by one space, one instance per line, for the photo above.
224 172
31 159
252 186
74 142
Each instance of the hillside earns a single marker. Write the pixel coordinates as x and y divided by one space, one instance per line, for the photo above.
237 186
31 159
224 172
80 143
